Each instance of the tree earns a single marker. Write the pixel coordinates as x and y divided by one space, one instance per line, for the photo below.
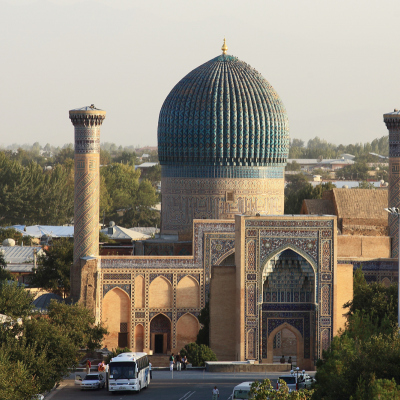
153 174
10 233
53 270
365 185
362 361
29 195
4 274
64 154
264 390
197 354
203 337
37 351
357 171
140 213
299 189
293 166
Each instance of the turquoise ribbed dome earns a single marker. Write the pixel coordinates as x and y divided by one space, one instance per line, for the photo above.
223 113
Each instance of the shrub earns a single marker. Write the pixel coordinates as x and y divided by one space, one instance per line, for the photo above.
197 355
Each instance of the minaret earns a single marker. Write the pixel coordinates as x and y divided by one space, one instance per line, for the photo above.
87 122
392 121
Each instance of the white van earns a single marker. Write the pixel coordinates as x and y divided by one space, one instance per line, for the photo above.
242 391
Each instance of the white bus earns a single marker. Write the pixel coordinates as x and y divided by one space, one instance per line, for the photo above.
128 371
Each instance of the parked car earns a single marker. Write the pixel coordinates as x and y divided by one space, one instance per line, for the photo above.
91 381
291 382
296 381
242 391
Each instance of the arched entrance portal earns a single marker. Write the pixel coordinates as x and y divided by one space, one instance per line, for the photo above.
288 308
284 344
160 334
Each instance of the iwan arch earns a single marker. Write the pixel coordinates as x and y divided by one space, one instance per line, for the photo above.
276 283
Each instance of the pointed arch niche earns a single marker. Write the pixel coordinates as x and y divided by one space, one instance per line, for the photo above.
139 338
116 317
289 297
187 329
160 293
188 293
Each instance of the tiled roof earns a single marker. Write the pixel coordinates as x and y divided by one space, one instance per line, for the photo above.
361 203
320 207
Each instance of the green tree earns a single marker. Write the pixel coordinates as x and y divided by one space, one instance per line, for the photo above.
140 213
153 174
53 270
366 354
293 166
264 390
365 185
4 274
203 337
29 195
357 171
197 354
299 189
37 350
10 233
64 154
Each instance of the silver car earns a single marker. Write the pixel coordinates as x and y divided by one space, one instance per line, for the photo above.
93 381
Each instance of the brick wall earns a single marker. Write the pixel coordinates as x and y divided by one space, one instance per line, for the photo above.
343 292
223 312
363 246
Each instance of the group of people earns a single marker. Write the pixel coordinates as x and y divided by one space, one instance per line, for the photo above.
178 360
283 360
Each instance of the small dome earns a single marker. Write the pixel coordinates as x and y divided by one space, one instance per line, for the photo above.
223 113
9 242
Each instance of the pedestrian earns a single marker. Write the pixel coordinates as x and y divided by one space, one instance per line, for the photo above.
215 393
88 366
151 371
171 362
184 362
101 367
178 362
290 361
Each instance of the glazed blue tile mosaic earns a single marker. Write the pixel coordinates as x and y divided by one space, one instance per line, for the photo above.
201 171
223 113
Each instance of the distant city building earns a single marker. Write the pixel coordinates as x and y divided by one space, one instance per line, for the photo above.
309 164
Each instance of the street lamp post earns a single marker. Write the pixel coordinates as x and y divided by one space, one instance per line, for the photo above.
395 211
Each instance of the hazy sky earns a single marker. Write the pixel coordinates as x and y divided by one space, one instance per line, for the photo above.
334 63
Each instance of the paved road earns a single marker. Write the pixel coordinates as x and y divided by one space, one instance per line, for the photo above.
185 385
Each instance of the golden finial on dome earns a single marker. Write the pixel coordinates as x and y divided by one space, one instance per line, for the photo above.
224 47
